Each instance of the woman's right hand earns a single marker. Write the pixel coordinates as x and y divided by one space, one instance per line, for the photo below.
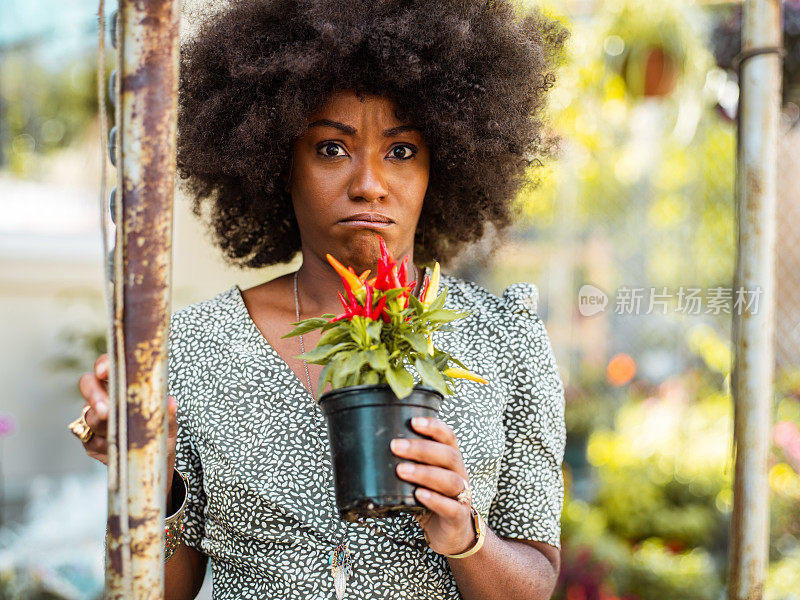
94 389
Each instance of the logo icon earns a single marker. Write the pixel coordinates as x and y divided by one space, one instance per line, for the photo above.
591 300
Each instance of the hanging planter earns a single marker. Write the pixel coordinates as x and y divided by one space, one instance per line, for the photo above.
367 353
647 45
726 41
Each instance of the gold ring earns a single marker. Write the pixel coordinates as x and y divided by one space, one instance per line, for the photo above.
80 428
465 495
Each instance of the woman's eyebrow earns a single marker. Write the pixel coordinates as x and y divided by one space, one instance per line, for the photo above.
350 130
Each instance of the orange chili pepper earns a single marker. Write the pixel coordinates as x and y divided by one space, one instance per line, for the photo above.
350 279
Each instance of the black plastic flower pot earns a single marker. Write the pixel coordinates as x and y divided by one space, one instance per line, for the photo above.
362 421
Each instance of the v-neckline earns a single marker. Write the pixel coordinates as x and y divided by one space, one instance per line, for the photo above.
264 342
255 331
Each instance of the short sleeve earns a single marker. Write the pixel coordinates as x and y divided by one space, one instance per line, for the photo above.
530 489
187 460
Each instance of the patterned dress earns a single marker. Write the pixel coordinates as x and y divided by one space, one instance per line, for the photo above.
254 445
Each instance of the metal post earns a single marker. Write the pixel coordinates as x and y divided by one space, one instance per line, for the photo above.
753 332
146 106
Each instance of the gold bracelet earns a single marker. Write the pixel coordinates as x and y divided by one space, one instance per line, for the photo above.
480 529
173 524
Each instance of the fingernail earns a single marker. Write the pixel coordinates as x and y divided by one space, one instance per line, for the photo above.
405 468
423 493
101 408
399 444
419 422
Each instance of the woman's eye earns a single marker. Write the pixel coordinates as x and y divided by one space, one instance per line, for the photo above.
332 149
403 152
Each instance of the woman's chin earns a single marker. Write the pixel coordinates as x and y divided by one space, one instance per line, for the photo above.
361 248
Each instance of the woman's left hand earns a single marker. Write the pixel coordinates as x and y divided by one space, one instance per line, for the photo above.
441 477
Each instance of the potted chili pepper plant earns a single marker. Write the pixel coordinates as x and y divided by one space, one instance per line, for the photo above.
369 353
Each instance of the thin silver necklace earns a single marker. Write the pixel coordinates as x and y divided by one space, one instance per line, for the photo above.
342 554
302 347
340 561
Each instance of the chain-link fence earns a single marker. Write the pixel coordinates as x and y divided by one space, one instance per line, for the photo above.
631 239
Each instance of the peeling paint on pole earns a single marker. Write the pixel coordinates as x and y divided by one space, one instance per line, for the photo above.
753 334
146 114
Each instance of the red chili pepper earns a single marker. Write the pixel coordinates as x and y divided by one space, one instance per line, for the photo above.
402 271
425 285
344 302
378 312
368 299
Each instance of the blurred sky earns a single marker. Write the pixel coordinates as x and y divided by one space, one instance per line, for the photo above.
69 26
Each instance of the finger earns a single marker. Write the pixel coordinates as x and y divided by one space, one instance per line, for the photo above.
101 366
103 458
444 481
97 446
94 394
436 429
429 452
172 412
98 425
441 504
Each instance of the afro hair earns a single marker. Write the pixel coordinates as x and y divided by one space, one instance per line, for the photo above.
472 74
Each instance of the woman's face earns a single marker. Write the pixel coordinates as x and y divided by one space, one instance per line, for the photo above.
358 172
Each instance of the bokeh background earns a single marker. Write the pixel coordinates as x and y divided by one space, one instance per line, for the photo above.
639 203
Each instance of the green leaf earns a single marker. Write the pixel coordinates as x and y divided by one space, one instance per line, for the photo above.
305 326
400 380
430 374
339 378
374 330
370 378
320 353
418 342
443 315
415 304
325 376
393 293
353 363
439 301
333 336
378 358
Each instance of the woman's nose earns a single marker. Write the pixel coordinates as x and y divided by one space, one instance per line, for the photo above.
369 180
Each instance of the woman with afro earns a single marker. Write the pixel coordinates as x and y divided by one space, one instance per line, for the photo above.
315 126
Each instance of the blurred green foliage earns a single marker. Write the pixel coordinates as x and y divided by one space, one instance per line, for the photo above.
41 110
679 190
658 517
650 465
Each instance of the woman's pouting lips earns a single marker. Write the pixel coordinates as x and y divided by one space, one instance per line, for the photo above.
370 220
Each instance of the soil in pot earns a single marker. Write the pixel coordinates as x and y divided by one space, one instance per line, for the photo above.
362 421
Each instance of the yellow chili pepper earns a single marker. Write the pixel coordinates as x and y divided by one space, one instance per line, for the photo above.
459 373
433 287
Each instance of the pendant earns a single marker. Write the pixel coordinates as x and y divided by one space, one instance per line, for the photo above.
341 565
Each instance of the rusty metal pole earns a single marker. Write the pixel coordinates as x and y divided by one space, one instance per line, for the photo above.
146 92
753 331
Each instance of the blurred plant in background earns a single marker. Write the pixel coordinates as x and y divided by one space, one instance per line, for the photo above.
643 194
44 111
